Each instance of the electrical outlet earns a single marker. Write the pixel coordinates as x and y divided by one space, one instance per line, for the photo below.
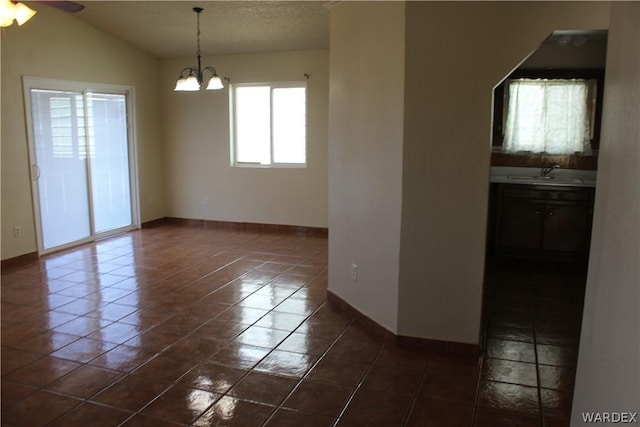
354 272
17 231
205 202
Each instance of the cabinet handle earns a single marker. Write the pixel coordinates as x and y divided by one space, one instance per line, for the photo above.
538 212
550 213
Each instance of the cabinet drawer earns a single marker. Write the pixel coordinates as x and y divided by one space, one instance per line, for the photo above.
538 193
522 192
577 195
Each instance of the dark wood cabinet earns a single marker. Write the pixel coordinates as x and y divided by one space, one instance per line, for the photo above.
539 220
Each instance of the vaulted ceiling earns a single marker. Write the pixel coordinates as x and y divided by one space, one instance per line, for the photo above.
167 29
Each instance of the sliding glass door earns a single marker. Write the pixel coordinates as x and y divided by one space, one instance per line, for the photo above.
109 161
81 159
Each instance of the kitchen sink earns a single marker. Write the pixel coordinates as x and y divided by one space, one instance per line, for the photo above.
546 179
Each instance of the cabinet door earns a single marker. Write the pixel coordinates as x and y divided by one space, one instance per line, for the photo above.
520 225
566 228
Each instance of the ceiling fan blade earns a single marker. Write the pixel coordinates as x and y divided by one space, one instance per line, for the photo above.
67 6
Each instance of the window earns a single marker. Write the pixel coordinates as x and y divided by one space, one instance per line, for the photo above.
552 116
268 125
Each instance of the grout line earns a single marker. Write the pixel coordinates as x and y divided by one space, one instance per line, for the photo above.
357 387
407 417
483 357
537 364
306 374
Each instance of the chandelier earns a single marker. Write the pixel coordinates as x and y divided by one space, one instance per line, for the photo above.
192 78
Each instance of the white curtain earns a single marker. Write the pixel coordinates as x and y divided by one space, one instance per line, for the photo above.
547 116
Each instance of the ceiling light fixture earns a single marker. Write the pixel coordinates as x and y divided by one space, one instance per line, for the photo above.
193 81
10 11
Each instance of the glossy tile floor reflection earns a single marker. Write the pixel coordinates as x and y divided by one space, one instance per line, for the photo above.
533 311
186 326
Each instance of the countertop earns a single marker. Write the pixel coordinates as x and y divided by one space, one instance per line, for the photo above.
531 176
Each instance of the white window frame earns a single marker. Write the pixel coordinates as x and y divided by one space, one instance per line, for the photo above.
233 125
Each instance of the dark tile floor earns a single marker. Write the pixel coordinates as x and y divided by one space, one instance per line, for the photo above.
533 314
185 326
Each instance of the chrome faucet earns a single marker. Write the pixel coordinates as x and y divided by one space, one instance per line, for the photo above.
544 172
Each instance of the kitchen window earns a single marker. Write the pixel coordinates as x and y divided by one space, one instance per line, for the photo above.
268 124
552 116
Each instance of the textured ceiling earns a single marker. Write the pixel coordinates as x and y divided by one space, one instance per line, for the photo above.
167 29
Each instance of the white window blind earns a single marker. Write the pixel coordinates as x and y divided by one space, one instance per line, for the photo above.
548 116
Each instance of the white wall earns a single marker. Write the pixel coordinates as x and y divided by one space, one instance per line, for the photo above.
608 374
55 44
410 123
456 53
365 154
197 145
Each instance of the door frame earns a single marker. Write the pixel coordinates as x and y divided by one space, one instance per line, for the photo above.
28 83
